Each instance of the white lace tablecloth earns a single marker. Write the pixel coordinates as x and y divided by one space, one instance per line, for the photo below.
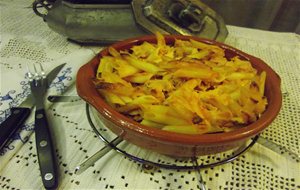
25 38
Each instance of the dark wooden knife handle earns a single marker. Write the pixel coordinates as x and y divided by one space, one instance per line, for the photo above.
45 151
11 124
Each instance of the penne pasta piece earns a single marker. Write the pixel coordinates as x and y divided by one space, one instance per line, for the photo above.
151 123
162 114
203 74
262 80
139 77
142 65
112 51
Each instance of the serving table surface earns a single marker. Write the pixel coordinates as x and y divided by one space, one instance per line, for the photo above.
26 39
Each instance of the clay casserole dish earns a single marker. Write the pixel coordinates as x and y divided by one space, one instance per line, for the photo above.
175 144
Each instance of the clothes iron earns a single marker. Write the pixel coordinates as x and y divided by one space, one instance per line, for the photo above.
108 21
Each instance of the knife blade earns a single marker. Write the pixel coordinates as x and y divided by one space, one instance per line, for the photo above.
20 113
279 149
61 98
99 154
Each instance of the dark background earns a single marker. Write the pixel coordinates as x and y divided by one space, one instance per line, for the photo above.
274 15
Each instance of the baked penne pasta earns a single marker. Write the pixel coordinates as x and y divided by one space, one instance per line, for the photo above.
187 87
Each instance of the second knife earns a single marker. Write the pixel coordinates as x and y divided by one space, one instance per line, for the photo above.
20 113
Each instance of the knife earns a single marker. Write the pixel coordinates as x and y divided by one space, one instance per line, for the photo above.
20 113
61 98
99 154
17 117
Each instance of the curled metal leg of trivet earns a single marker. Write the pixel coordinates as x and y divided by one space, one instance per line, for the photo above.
231 158
198 173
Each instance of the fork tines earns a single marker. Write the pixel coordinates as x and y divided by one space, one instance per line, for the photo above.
37 74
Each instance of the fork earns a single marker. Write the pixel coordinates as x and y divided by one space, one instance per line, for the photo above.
45 152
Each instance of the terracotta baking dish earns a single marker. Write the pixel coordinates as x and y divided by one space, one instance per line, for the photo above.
169 143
